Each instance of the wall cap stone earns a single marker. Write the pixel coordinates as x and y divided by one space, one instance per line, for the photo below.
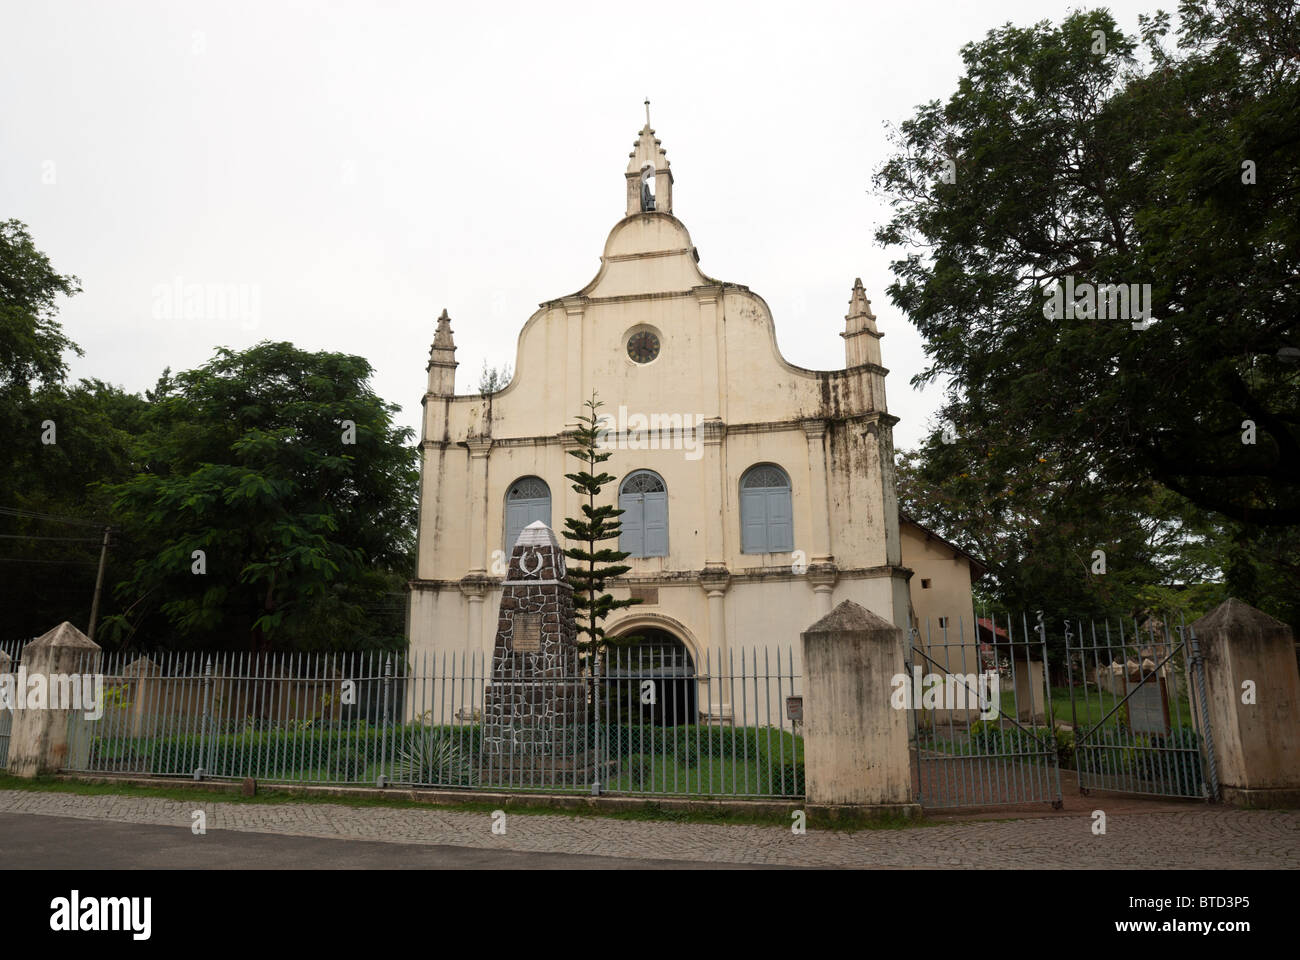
64 635
850 617
1232 615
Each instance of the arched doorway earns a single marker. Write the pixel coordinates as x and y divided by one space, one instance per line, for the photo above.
651 681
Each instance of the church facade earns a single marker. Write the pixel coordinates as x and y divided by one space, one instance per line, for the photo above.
757 494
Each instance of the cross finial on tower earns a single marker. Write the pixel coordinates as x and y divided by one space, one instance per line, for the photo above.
647 111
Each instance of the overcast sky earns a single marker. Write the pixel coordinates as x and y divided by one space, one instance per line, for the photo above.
353 168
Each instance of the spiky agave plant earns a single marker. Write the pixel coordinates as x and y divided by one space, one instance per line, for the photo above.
435 756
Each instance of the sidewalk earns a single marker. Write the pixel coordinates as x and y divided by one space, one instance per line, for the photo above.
1195 837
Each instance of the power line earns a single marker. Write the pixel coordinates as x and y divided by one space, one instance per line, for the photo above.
34 515
88 563
23 536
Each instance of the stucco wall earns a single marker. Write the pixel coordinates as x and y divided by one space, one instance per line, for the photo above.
718 364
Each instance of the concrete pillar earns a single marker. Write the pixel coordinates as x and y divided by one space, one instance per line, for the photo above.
819 498
855 742
474 588
715 513
711 390
39 742
575 394
1256 744
478 506
822 576
714 581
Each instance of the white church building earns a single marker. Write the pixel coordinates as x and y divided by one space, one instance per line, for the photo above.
757 494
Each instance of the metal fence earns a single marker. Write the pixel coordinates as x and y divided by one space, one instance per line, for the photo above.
981 714
1137 709
10 654
1004 709
637 722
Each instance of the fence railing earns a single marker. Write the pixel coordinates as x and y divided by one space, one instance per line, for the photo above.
981 719
12 651
1137 695
637 721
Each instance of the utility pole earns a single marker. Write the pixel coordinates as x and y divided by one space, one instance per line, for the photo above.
99 585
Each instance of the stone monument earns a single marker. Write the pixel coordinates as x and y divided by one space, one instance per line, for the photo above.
535 708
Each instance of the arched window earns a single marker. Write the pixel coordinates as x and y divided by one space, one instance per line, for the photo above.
766 518
527 500
643 498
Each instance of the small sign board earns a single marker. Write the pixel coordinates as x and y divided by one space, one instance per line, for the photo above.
794 708
528 633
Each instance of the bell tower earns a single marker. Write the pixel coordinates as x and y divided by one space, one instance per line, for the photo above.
648 161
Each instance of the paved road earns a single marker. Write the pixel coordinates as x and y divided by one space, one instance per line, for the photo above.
1190 837
32 841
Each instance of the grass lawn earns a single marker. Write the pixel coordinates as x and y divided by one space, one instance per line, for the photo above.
708 776
1098 703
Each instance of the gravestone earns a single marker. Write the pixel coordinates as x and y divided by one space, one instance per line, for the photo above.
535 708
1148 703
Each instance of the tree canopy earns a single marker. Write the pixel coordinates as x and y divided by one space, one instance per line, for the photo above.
1076 158
277 497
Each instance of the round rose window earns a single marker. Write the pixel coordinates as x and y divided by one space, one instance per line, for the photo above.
643 346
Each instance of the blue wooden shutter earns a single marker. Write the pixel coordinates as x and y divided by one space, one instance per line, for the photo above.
516 520
780 522
539 509
520 513
753 521
631 539
656 524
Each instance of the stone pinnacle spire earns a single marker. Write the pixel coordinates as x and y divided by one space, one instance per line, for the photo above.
861 338
442 359
442 338
859 305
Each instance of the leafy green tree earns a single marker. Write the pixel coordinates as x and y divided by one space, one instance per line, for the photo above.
32 342
277 499
596 565
61 442
1069 552
1061 159
1070 164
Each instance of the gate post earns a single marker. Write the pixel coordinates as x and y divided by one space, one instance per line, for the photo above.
1256 738
856 754
39 741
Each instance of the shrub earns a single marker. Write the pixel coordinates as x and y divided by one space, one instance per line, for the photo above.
434 756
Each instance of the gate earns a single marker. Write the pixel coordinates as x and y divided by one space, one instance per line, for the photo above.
6 725
10 653
980 708
1137 706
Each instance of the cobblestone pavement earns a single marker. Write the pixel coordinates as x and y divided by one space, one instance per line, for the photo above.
1199 837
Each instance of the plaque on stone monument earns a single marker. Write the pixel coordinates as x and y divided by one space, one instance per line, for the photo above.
528 633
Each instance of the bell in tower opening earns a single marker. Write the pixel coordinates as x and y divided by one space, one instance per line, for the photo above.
647 195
